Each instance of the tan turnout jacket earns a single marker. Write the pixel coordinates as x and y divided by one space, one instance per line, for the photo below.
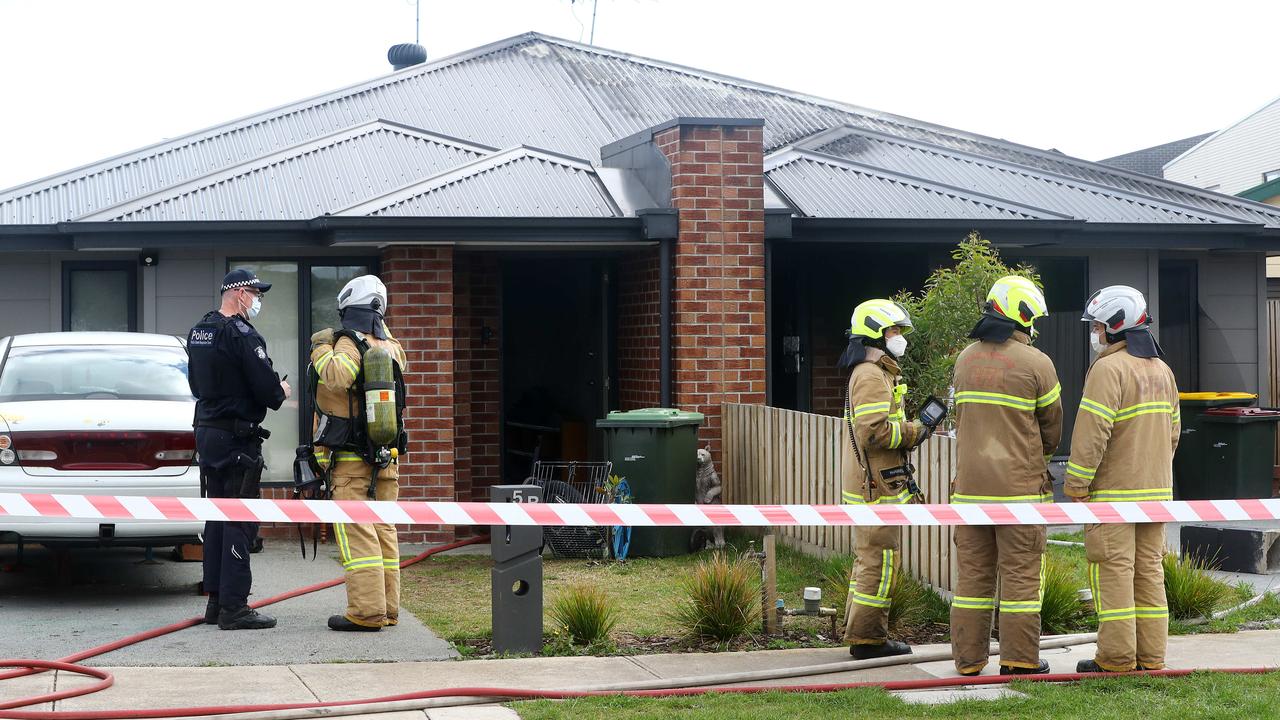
1009 422
338 366
1126 431
875 406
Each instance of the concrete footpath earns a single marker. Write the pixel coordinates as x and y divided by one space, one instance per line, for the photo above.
159 687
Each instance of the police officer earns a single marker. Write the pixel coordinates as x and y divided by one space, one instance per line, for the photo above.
370 553
234 383
1009 422
877 436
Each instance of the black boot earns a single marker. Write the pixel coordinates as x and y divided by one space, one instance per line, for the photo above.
342 624
1041 669
244 619
211 610
1090 666
888 649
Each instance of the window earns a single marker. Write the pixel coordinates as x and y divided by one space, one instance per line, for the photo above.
1270 175
83 372
303 298
99 296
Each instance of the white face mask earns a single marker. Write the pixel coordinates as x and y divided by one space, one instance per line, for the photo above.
896 345
1095 339
254 308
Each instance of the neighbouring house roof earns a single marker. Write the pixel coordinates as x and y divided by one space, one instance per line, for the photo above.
1262 193
424 142
1151 161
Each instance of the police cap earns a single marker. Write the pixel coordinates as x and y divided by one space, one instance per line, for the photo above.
241 277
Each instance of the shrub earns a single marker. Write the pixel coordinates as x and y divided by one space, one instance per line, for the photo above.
1061 611
1190 590
914 604
585 613
722 599
835 581
945 313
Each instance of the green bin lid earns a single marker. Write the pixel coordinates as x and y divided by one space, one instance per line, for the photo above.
651 417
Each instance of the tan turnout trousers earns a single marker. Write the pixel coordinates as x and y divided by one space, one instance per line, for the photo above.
1015 555
1126 576
874 577
370 554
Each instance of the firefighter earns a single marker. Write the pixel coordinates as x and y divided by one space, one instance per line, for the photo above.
876 438
1009 422
1122 450
370 554
234 383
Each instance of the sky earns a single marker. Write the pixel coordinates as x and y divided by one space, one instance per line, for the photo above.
87 79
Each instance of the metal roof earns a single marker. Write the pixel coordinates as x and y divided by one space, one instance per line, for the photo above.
308 180
550 186
828 187
1068 196
528 90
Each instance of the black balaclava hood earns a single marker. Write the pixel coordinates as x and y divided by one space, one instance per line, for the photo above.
1139 343
856 351
993 329
363 319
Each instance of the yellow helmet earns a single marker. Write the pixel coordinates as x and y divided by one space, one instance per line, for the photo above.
872 317
1017 299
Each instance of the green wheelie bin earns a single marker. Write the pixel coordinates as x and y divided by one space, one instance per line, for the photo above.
656 451
1197 475
1241 447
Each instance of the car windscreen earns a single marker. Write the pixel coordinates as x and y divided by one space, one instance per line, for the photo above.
105 372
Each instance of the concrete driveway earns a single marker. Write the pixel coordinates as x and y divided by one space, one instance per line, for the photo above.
110 593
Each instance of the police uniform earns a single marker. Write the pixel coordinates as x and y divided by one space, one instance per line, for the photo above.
234 383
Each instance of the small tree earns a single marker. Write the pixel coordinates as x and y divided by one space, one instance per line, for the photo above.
946 312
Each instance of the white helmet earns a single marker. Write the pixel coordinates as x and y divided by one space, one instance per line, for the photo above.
1119 307
364 291
1017 299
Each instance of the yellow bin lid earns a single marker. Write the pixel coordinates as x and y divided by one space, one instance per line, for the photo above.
1217 396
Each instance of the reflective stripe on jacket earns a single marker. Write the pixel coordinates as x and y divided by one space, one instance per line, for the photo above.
1008 422
879 419
1126 431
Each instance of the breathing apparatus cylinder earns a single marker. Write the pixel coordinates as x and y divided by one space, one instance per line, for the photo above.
380 398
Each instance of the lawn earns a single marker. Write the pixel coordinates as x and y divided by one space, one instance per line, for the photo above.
450 594
1203 695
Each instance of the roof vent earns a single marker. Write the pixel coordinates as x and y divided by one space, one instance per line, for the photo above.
406 55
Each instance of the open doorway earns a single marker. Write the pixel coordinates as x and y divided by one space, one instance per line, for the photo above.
1179 319
557 320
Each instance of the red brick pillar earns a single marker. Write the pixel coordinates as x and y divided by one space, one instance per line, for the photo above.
420 295
718 329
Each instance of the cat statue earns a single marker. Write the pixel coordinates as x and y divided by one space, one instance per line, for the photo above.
708 488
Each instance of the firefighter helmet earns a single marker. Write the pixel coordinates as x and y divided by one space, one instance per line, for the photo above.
364 291
1119 307
1017 299
872 317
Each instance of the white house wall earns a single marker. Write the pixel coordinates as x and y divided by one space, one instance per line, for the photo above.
1235 159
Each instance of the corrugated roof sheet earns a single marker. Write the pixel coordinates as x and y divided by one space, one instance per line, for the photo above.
828 187
308 180
520 182
1062 194
545 92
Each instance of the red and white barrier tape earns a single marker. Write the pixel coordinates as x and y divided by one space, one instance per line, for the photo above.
104 507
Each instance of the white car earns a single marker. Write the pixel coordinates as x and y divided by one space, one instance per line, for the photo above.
97 413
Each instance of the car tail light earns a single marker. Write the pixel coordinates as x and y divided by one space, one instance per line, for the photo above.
102 450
